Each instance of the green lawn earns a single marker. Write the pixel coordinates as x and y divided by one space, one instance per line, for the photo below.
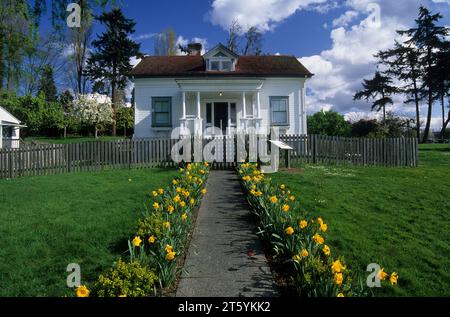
48 222
69 140
399 218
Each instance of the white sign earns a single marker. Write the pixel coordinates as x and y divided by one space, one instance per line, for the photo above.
281 145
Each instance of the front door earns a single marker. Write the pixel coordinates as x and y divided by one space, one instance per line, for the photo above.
221 116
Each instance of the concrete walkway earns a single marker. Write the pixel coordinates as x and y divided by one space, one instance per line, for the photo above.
218 263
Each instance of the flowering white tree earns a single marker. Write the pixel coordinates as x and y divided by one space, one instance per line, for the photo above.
94 110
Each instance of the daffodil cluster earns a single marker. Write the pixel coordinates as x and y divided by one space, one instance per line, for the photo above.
298 240
160 238
162 233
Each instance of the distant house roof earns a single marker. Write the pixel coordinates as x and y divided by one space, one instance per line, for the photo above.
7 119
194 66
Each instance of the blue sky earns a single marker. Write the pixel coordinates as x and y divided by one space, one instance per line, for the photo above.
335 39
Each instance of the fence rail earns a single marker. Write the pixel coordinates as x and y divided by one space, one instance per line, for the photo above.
33 160
389 152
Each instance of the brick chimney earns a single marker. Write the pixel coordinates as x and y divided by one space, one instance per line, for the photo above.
194 49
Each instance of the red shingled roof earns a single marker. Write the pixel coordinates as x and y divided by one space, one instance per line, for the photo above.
194 66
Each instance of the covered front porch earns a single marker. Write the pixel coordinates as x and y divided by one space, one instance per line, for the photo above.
224 107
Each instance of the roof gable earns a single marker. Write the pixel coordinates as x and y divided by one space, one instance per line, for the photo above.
7 117
221 50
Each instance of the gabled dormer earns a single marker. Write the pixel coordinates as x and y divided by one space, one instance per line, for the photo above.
220 59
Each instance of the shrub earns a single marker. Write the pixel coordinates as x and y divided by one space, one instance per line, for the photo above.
126 280
298 240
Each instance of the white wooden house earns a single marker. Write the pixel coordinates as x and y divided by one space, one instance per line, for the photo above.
219 89
9 130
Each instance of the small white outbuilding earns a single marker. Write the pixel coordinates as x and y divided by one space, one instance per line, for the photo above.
9 130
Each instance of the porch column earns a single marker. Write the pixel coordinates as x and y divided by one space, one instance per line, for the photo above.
244 105
198 105
1 136
184 105
258 103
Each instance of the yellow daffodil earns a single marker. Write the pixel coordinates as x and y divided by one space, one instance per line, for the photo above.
340 295
318 239
320 221
166 224
181 170
177 199
338 278
252 192
286 208
136 241
337 267
184 217
206 164
200 182
274 199
189 167
182 204
186 194
170 209
289 231
394 278
155 193
168 248
178 190
204 191
82 291
292 198
282 186
151 239
324 227
202 172
192 201
326 250
160 191
303 224
382 275
170 256
259 194
156 206
304 253
296 258
175 182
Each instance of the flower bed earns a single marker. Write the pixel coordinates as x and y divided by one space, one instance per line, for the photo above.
159 241
297 241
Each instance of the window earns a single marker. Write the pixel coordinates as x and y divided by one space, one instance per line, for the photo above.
215 65
226 66
162 111
233 113
279 107
220 64
209 113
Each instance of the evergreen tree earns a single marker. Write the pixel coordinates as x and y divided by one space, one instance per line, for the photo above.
379 89
403 63
113 49
429 39
47 84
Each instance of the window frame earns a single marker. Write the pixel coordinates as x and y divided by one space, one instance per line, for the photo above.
161 125
221 61
280 124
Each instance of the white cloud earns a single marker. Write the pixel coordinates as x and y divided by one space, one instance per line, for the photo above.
340 70
346 18
184 42
264 14
145 36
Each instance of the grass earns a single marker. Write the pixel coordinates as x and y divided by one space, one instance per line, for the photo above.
395 217
70 140
48 222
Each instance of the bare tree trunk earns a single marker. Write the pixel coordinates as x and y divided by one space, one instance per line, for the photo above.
445 125
443 117
124 132
430 99
114 101
416 99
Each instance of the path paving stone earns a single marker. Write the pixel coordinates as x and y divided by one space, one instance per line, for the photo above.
218 263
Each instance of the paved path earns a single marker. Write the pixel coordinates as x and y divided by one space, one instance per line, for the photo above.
218 264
